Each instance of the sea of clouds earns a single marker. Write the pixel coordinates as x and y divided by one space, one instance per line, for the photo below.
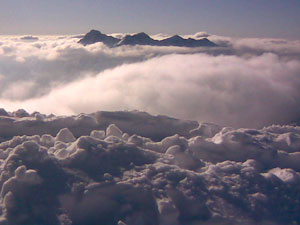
129 167
241 83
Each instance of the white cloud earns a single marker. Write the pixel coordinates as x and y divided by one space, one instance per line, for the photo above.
19 90
208 174
224 89
58 60
244 87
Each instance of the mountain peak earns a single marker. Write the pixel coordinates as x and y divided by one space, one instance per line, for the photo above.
95 36
94 32
137 39
141 35
176 37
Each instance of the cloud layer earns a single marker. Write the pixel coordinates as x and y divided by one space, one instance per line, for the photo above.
244 83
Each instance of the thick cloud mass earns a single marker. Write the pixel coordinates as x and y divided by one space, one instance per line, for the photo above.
244 83
84 169
227 90
132 168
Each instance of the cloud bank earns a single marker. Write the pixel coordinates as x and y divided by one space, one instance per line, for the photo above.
132 168
244 83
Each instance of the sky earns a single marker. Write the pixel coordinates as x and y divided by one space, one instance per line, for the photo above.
235 18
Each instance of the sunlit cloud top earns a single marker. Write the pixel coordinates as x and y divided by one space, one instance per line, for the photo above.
243 82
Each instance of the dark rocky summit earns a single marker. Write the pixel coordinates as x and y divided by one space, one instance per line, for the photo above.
138 39
95 36
142 38
176 40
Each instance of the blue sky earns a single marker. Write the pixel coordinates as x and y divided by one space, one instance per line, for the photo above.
237 18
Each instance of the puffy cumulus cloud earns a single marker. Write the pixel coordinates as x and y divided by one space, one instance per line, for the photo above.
209 175
228 90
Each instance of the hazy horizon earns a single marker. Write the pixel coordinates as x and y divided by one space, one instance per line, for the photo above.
235 18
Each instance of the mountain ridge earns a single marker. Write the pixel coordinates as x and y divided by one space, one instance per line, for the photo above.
142 38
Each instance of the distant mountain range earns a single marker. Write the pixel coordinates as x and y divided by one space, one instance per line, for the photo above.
95 36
